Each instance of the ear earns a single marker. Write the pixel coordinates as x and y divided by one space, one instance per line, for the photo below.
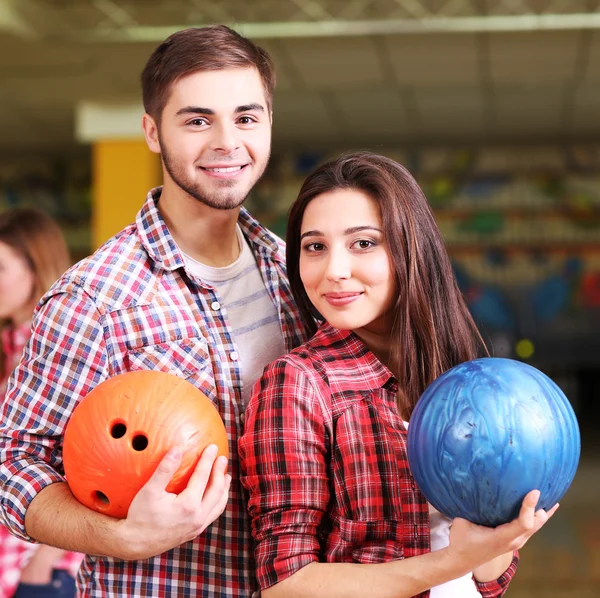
150 129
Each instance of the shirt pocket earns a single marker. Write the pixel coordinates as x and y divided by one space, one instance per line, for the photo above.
186 358
372 541
367 465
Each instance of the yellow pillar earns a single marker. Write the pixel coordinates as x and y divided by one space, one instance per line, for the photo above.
123 171
123 168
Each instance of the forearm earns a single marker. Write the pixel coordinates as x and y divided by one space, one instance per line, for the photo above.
397 579
55 517
493 569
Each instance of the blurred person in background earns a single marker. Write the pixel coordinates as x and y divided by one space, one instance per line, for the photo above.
33 255
195 287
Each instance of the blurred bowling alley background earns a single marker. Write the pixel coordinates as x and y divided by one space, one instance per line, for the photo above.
493 106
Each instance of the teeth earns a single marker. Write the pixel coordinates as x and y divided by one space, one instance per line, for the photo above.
230 169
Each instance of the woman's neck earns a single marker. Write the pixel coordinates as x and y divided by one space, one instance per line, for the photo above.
379 344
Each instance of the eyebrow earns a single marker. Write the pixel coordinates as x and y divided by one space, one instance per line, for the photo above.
349 231
210 112
250 108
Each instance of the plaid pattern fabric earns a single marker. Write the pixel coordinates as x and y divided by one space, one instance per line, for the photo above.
324 460
130 306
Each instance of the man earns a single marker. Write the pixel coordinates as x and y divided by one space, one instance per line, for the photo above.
195 287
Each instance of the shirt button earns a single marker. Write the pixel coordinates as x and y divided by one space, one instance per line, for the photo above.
242 417
234 356
255 594
215 306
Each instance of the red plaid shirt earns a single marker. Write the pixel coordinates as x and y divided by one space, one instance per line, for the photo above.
324 459
131 306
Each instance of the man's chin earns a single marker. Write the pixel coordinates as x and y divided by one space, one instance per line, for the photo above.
222 201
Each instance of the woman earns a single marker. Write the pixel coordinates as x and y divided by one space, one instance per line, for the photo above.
335 510
33 254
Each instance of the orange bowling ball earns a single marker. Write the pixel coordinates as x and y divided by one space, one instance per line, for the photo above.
121 430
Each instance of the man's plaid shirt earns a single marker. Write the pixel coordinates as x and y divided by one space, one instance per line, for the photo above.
324 459
132 306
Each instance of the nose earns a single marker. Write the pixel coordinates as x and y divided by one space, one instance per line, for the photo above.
338 265
225 138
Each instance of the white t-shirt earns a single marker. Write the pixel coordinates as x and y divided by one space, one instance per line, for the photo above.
462 587
248 308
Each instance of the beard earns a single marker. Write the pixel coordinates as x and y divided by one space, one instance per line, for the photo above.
226 197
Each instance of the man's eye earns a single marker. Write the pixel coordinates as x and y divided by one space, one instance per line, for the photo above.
246 120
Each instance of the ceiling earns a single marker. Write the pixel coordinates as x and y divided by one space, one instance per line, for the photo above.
350 72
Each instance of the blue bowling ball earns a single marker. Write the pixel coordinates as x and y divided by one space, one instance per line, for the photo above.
488 431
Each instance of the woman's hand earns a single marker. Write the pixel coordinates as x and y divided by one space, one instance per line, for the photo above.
473 545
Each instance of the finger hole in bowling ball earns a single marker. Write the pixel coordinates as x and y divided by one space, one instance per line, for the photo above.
101 499
118 430
139 442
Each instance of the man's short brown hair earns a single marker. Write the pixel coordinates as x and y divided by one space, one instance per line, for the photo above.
199 49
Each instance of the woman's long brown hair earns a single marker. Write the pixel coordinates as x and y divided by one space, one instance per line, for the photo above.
432 330
39 240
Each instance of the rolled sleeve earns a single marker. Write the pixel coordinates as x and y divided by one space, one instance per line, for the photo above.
22 482
498 587
62 361
283 454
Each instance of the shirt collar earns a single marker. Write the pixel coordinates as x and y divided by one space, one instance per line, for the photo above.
346 345
161 247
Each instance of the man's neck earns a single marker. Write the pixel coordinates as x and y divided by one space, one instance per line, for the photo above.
205 234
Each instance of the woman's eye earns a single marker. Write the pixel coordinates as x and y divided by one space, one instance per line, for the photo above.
364 244
313 247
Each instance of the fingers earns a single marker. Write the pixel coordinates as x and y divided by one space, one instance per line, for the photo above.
532 498
165 471
531 518
160 520
221 503
542 516
480 544
207 491
527 513
202 472
215 490
205 468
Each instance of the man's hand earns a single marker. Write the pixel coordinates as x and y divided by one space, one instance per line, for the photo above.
158 520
